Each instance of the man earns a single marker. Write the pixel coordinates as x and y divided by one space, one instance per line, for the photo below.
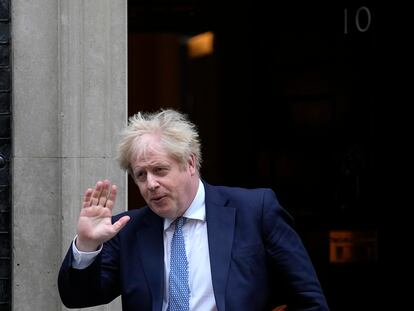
194 246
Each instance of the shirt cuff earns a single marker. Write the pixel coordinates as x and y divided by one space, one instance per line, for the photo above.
83 260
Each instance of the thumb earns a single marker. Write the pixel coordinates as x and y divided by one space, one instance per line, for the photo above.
120 223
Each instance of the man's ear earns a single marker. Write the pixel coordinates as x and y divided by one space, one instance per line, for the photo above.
192 164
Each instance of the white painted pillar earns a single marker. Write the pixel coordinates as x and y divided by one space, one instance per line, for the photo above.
69 105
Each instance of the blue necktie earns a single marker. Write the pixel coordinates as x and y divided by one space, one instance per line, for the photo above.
179 291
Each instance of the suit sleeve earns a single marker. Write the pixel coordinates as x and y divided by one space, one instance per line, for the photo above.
97 284
292 272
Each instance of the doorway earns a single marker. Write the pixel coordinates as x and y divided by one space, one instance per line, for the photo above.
287 100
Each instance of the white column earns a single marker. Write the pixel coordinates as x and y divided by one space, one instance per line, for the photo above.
69 104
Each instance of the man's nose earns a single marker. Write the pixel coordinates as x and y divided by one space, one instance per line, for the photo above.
152 181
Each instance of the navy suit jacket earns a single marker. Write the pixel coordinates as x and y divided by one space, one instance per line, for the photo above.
257 260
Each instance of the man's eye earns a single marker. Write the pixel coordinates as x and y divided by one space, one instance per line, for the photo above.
140 175
160 171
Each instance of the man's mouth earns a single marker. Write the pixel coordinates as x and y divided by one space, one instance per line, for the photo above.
158 199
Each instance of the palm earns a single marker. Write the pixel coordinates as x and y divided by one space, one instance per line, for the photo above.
95 223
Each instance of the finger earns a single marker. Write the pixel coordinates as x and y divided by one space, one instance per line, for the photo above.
87 197
104 193
96 193
120 223
111 197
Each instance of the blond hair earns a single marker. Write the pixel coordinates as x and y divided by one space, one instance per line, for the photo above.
177 135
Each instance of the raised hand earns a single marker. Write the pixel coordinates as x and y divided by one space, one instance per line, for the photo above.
95 225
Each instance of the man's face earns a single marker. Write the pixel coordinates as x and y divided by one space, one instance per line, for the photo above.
166 186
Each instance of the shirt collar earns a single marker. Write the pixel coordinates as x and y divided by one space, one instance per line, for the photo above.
196 210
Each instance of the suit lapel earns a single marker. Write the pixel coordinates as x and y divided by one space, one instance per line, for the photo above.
220 228
151 250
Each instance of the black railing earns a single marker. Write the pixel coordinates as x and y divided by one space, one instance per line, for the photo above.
5 150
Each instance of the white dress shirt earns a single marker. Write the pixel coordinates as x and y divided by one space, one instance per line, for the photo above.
196 243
